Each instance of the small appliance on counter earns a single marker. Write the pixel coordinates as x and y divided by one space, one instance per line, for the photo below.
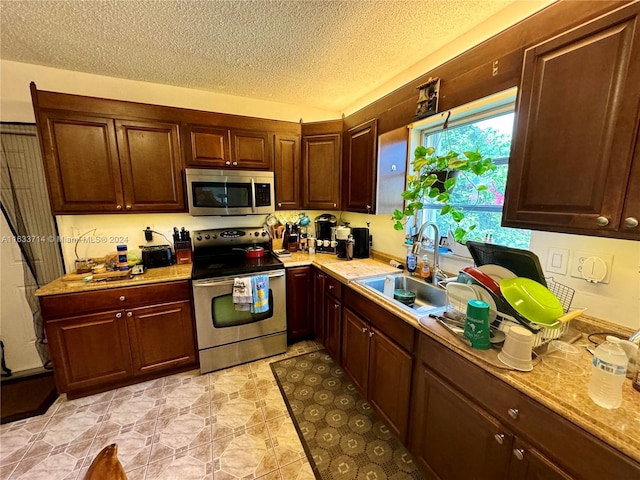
182 245
325 233
157 256
362 239
342 235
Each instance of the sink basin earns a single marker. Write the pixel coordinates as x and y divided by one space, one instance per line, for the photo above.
428 297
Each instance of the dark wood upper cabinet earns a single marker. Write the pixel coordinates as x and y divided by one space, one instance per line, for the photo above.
288 173
150 165
81 162
251 150
207 147
321 167
578 110
359 168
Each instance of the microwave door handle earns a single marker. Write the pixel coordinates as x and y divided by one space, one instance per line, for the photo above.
253 195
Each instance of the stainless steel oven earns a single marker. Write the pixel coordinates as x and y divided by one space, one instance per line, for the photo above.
229 192
226 336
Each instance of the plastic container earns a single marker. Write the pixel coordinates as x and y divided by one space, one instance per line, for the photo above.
516 351
607 375
476 325
412 262
123 261
389 286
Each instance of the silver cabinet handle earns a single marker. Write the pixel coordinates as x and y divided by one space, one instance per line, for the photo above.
279 204
499 438
122 298
331 287
118 315
371 333
602 221
513 413
235 164
118 207
364 329
129 314
128 207
518 453
227 162
630 222
368 208
336 306
335 205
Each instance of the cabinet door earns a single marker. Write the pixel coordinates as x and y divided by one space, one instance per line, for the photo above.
355 349
529 464
359 168
390 382
333 326
207 147
299 318
576 128
320 171
451 438
287 172
81 163
318 306
250 150
161 336
631 212
151 166
89 350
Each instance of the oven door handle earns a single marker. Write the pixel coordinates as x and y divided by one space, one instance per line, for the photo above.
253 196
216 283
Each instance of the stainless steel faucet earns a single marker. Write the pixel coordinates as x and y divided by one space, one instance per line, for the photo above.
418 245
635 336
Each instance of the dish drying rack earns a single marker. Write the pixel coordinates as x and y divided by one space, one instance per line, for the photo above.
541 335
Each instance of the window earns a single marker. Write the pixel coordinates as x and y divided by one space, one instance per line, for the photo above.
485 125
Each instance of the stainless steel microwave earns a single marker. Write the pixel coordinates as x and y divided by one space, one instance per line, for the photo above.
229 192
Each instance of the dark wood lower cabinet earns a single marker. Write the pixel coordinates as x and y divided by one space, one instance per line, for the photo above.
380 369
451 438
299 306
161 336
317 296
333 326
89 350
527 463
148 332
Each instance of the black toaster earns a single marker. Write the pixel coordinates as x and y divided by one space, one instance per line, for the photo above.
157 256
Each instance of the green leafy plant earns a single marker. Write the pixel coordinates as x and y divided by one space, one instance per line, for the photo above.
426 181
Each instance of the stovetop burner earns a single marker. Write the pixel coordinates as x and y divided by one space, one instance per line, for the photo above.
219 253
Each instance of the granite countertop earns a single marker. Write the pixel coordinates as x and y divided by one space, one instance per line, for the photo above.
152 275
564 393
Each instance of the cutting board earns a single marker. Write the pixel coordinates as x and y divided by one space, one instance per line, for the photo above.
79 277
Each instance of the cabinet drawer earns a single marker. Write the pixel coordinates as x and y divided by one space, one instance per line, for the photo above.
56 306
580 452
401 332
333 287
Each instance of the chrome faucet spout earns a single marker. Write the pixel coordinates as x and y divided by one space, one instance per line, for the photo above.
418 245
634 337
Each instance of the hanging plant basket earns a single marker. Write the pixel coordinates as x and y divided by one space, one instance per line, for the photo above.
443 176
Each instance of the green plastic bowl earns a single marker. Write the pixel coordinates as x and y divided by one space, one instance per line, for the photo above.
533 301
404 296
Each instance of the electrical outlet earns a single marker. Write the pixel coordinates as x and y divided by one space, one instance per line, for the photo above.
580 256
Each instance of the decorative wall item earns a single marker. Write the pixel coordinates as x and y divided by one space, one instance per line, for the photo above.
428 98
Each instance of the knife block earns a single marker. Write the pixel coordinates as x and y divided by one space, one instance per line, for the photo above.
183 252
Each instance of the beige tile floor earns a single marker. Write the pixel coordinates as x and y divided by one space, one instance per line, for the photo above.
226 425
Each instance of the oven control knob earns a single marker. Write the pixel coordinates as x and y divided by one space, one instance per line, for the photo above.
207 236
214 236
256 233
199 238
264 234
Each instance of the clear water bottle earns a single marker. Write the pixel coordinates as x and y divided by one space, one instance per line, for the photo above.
607 375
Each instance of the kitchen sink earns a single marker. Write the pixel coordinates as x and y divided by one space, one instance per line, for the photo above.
428 297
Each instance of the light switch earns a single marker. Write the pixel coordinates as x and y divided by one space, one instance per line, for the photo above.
557 260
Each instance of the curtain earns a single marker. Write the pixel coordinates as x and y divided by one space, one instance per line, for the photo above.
25 205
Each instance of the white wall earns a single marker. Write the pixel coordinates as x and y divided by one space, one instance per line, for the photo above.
15 97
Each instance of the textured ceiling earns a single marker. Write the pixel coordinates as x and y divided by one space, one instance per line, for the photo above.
317 53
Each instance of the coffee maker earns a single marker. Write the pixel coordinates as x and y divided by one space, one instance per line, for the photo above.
362 239
325 233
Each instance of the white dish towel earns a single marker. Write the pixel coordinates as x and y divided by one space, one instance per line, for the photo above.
242 297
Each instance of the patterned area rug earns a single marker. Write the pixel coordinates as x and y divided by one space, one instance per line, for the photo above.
343 437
